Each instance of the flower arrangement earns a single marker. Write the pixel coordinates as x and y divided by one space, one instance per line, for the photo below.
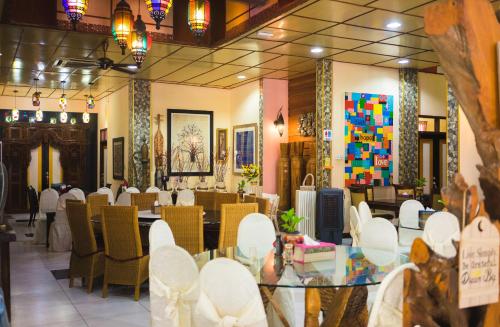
250 172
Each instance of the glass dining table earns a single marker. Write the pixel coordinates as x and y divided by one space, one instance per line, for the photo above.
352 267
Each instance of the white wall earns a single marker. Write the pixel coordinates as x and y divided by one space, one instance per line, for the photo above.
365 79
433 94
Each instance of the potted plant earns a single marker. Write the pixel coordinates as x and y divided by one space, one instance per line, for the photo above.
419 186
289 225
241 187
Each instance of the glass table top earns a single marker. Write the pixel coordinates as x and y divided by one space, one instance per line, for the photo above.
352 266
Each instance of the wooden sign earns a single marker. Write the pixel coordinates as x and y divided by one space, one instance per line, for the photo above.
380 161
478 264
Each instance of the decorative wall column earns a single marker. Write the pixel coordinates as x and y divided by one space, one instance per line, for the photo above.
261 131
324 76
139 133
452 135
408 126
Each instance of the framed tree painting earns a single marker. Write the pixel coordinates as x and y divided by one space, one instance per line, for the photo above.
221 145
189 142
118 158
245 146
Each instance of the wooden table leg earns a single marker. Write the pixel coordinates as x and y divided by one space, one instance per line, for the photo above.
312 307
5 272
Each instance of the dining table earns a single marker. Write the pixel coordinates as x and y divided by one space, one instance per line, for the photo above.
351 267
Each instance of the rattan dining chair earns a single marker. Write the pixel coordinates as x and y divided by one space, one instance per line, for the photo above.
186 224
96 202
125 263
264 206
225 198
358 194
231 216
143 201
86 261
205 199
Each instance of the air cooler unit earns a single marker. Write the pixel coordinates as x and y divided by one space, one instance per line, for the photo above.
330 215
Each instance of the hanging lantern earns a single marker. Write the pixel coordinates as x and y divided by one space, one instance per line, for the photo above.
39 115
123 21
158 10
75 9
8 119
72 121
86 117
141 43
90 99
53 120
63 117
15 112
36 99
63 101
198 16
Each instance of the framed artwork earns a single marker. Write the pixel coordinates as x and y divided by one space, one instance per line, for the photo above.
245 146
190 142
221 136
118 158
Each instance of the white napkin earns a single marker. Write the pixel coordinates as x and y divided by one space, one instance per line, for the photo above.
309 241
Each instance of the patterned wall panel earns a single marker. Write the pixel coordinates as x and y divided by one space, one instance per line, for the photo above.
368 138
139 131
452 135
261 129
324 89
408 126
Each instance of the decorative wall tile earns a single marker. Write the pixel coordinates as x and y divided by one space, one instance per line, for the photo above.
261 129
408 126
452 135
324 76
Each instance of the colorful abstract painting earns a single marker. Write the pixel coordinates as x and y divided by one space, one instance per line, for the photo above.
368 138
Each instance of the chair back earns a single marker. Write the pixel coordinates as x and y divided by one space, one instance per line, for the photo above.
387 310
109 193
225 198
96 201
358 194
364 212
185 198
61 201
153 189
82 233
132 190
405 191
440 229
274 199
160 235
355 223
124 199
408 213
384 193
173 286
264 206
380 234
78 193
165 198
256 231
249 198
231 216
120 227
186 224
205 199
48 200
223 301
143 201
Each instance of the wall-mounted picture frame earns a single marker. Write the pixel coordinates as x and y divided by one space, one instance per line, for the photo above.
221 143
190 142
119 158
245 151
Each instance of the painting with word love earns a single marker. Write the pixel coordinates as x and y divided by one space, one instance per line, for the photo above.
368 138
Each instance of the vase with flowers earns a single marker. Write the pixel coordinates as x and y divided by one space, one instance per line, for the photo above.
251 173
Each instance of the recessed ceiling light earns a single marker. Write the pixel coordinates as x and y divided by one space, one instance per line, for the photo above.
1 54
316 50
132 67
403 61
265 33
241 77
393 25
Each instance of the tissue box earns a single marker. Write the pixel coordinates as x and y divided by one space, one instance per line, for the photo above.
155 210
311 253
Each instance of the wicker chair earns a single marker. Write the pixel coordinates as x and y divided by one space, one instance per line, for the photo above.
408 191
143 201
124 262
96 202
205 199
231 215
225 198
86 261
249 198
264 206
358 194
186 224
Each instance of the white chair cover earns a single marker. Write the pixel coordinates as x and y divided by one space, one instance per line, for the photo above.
379 233
152 189
160 235
185 198
364 212
124 199
48 200
256 231
355 223
165 198
60 233
229 296
78 194
109 193
173 287
408 213
387 310
132 190
439 231
285 298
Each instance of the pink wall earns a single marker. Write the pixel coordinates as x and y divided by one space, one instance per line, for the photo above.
275 95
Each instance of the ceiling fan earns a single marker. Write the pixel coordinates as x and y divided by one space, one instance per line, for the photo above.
104 63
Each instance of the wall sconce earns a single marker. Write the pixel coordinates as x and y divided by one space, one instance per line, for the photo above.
279 123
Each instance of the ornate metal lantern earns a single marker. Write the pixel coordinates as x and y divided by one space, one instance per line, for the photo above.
75 9
63 117
123 21
198 16
158 10
15 112
39 115
86 117
63 101
140 41
90 99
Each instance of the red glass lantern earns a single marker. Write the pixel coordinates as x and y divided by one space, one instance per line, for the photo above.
140 44
198 16
75 9
123 21
158 10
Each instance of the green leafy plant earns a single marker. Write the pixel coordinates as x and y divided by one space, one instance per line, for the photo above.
290 221
420 182
241 185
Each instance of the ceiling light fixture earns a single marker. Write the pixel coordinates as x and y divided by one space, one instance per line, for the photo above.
35 98
90 99
316 50
15 112
75 9
403 61
158 10
132 66
140 40
123 21
198 16
265 33
63 103
393 25
241 77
